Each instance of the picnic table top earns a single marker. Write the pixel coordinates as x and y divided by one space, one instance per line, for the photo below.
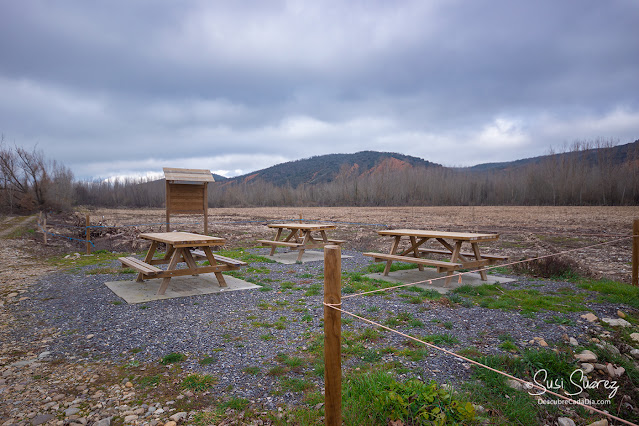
423 233
304 226
184 239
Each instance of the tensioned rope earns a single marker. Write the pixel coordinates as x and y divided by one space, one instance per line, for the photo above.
526 383
460 274
64 236
479 364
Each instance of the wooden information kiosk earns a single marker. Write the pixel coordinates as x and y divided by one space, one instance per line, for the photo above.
187 193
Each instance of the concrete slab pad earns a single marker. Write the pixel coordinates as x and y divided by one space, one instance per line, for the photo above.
290 257
135 292
414 275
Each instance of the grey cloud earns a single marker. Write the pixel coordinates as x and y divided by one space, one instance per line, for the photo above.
493 80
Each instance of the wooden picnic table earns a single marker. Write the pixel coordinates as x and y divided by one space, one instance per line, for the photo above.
300 237
181 247
452 243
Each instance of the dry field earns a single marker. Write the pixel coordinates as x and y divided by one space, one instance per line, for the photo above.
524 231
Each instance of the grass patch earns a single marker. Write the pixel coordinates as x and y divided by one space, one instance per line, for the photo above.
99 257
395 266
314 290
198 382
245 256
150 381
556 319
253 370
234 403
293 384
208 360
172 358
493 296
376 398
613 291
440 339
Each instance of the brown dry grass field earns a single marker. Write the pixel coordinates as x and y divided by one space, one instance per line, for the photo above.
525 232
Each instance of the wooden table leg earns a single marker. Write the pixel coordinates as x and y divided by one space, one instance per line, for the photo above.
188 258
209 256
307 237
393 250
414 245
453 259
277 237
482 272
147 259
177 254
324 236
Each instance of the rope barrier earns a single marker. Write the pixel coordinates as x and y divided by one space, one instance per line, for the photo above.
460 274
526 383
64 236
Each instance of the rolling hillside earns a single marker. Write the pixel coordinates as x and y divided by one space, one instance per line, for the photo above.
327 168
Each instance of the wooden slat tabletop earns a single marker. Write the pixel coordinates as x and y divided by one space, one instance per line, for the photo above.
303 226
422 233
183 239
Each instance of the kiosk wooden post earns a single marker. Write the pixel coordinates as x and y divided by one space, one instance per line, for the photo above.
332 336
187 193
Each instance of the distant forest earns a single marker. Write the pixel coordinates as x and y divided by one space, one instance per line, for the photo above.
586 173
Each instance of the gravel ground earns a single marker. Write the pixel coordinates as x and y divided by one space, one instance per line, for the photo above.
91 323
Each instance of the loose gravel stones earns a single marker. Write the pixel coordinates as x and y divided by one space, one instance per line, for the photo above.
70 332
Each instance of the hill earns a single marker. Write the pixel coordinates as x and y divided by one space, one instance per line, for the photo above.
615 155
327 168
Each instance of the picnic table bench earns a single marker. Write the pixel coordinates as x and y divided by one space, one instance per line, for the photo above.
181 247
457 260
300 237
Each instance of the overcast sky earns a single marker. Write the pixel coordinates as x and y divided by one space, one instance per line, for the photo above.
124 87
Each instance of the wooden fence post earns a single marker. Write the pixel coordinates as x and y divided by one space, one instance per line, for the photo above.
332 336
635 252
88 233
301 221
43 224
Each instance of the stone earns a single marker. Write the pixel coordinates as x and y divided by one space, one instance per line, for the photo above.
71 411
44 354
609 347
616 322
586 356
635 353
178 416
128 384
565 421
10 295
515 384
613 371
573 341
587 368
600 367
620 314
602 422
131 418
159 411
590 317
41 419
170 423
103 422
635 337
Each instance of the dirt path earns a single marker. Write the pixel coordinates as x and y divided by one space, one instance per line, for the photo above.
10 224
